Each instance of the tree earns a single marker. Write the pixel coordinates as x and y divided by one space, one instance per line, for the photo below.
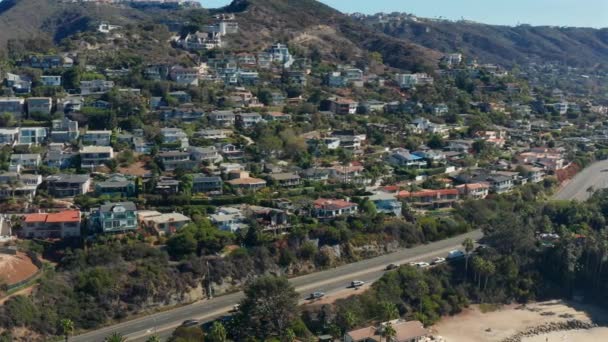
288 336
67 328
115 337
389 311
389 332
187 334
270 306
153 338
468 245
217 333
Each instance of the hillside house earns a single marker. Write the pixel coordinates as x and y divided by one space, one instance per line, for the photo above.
115 217
64 130
63 224
162 224
32 135
332 208
94 156
95 87
64 185
41 105
207 185
116 185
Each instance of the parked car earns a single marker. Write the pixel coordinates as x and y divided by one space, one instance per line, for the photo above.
455 254
392 267
421 264
438 261
190 323
317 295
357 283
236 307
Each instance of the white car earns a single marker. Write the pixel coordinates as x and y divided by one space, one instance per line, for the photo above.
357 283
421 264
455 254
438 261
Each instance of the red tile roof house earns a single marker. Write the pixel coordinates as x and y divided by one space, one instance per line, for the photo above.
330 208
474 190
431 198
52 225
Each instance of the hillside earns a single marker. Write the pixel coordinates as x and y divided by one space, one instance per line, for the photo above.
55 20
501 44
312 24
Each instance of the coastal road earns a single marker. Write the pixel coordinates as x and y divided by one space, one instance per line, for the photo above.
594 177
329 281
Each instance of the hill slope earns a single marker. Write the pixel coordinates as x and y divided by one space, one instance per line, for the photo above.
54 20
312 24
503 44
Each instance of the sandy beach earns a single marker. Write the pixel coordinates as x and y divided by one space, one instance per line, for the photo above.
472 325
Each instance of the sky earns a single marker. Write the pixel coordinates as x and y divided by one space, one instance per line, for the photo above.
587 13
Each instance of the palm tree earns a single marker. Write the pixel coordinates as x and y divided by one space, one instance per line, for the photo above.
115 337
153 338
67 328
468 245
389 332
389 311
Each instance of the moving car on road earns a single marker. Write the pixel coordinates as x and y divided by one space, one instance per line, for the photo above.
317 295
190 323
357 283
455 254
392 267
438 261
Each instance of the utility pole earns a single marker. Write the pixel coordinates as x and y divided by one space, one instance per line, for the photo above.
209 290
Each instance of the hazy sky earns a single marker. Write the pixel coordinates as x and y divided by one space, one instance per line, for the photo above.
510 12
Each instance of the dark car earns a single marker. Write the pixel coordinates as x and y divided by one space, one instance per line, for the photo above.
190 323
316 295
392 267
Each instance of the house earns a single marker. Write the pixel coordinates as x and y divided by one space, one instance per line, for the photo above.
242 180
213 134
9 136
474 190
70 104
280 54
13 184
351 173
223 118
205 154
431 198
331 208
175 137
60 159
405 331
199 41
97 138
343 106
285 179
185 76
64 130
47 62
229 219
331 143
206 185
64 185
181 96
431 156
95 87
232 152
140 145
184 113
32 135
63 224
167 186
373 106
270 219
12 105
115 217
401 157
116 185
19 84
498 183
248 120
40 105
93 156
164 224
298 78
315 175
386 203
50 81
407 81
547 159
278 116
29 161
172 160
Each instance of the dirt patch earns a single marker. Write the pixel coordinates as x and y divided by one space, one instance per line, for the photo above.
136 169
16 268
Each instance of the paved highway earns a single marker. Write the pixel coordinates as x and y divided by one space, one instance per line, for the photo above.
593 177
329 281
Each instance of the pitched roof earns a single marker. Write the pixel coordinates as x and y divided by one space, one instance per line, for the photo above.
64 216
333 204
